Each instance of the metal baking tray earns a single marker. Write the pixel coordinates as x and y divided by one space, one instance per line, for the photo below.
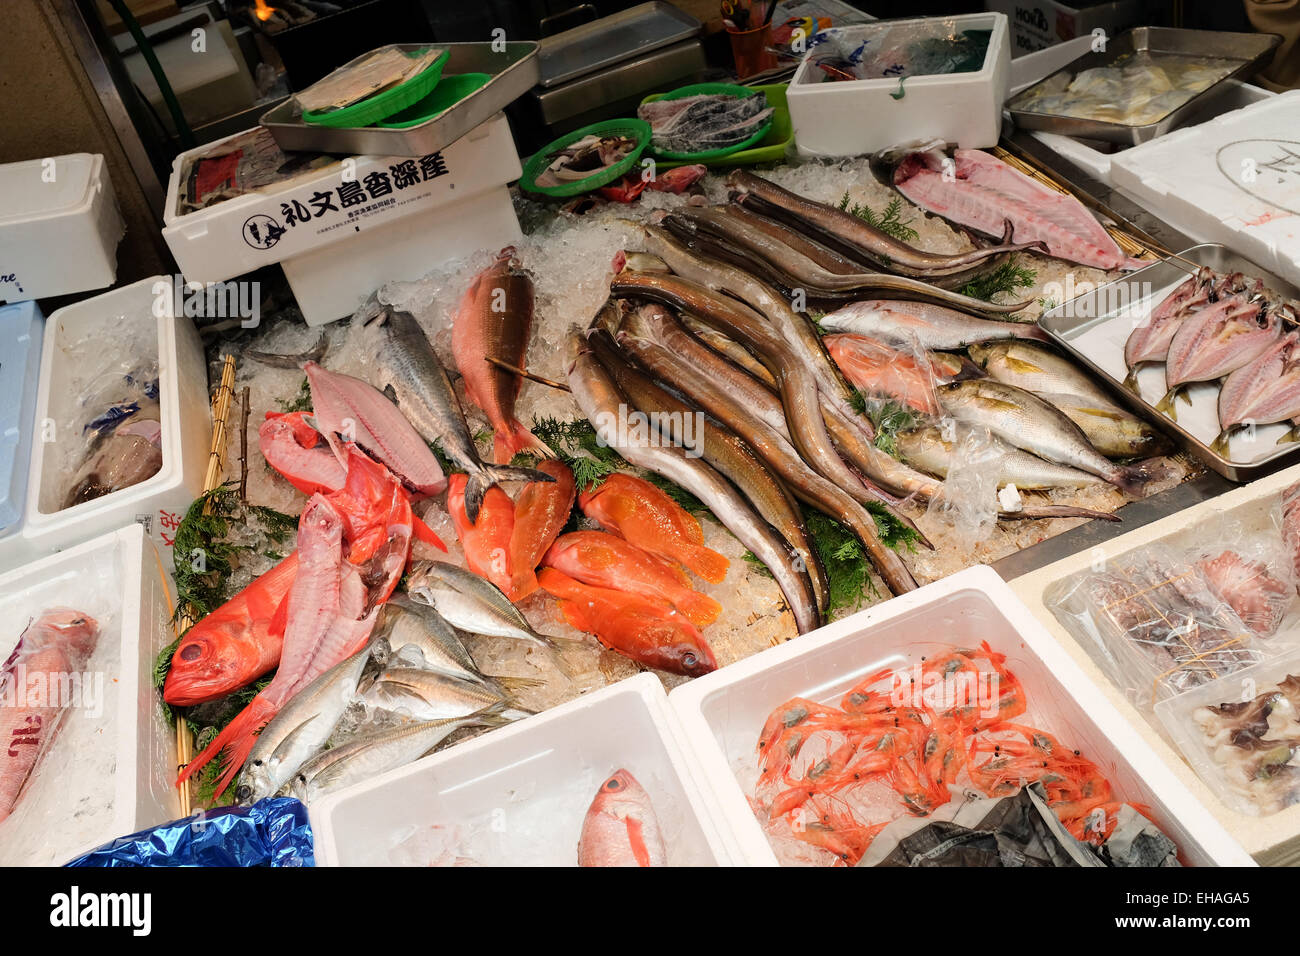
514 72
1094 327
628 80
1247 50
613 39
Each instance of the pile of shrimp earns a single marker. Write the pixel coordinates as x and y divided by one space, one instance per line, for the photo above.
822 768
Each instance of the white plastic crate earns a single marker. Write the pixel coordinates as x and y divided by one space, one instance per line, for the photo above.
59 227
334 255
118 578
523 790
21 328
1273 840
851 117
722 713
158 502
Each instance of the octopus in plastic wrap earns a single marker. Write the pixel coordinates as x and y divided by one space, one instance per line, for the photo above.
1257 742
1291 525
1167 612
126 450
1258 597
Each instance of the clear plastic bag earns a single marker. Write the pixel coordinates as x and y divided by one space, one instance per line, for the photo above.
1251 571
930 47
969 501
1287 518
1154 623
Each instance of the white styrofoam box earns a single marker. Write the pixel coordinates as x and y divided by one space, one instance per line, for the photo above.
158 502
335 257
59 227
851 117
21 326
1272 840
723 713
117 578
1040 24
209 83
517 796
1232 180
1236 96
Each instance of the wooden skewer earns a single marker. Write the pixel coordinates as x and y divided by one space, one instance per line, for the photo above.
528 375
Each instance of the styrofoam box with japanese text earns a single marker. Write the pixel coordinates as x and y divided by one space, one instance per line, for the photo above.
126 318
110 767
1038 24
854 117
344 229
1272 840
724 712
518 795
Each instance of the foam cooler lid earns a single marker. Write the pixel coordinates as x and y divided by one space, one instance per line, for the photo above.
1235 180
36 188
21 325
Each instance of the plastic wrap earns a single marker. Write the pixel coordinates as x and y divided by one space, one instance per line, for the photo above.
969 502
1287 518
1242 735
272 832
1252 573
1154 623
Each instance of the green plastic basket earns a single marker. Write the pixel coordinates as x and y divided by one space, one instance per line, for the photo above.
637 129
381 105
771 148
709 89
449 91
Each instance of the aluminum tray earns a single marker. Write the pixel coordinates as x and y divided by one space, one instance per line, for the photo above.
514 72
1248 50
613 39
1093 328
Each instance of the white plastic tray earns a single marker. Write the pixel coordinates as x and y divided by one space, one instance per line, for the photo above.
852 117
158 502
523 791
142 792
723 712
1272 840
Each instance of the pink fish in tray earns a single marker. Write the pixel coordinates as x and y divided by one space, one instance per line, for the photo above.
1149 340
1216 340
983 193
1263 391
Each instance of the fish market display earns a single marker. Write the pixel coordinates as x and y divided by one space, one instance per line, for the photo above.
985 194
492 329
1157 621
621 828
1139 90
585 158
1254 744
695 124
54 646
833 777
125 448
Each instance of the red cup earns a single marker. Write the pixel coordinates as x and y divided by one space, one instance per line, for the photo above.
751 50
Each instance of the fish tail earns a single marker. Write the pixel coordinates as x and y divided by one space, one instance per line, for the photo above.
1220 445
1134 479
513 438
1166 404
1292 436
488 475
522 583
512 685
235 742
1131 379
707 563
700 609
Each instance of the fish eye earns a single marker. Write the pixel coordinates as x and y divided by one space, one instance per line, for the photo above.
191 652
243 793
689 659
612 784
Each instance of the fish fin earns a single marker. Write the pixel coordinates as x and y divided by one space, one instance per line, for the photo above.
707 563
522 584
280 619
511 685
700 609
235 741
426 534
1220 445
508 443
390 393
285 745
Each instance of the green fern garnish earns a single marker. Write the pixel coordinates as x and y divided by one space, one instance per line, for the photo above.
891 222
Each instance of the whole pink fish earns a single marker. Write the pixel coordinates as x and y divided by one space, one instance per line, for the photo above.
1218 339
495 321
1263 391
357 411
983 193
53 646
621 828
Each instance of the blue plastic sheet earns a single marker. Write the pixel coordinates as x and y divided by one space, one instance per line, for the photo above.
272 832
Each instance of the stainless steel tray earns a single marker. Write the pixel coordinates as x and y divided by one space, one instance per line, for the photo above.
1093 328
1246 50
514 72
613 39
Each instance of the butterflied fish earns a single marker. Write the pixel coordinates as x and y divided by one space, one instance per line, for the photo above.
1263 391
